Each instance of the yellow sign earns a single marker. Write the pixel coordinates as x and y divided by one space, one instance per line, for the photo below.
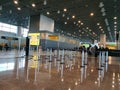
34 38
53 37
34 62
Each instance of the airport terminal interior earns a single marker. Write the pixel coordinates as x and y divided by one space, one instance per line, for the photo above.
59 44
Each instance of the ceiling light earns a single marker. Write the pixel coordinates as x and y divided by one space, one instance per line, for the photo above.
79 21
68 18
45 2
98 24
74 22
65 9
100 27
33 5
10 11
16 1
87 28
90 30
115 17
115 26
65 22
63 15
58 11
48 13
106 22
82 32
115 22
101 4
91 14
0 7
73 16
103 14
108 28
19 8
103 10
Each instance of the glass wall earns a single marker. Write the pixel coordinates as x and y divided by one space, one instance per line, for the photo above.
8 28
24 32
13 29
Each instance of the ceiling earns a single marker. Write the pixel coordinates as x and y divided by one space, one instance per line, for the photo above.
84 26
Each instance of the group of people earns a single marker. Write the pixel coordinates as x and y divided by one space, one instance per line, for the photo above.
5 46
93 50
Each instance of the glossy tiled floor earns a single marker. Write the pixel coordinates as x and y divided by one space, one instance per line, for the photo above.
22 73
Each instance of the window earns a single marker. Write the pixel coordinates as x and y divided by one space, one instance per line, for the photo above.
24 32
8 28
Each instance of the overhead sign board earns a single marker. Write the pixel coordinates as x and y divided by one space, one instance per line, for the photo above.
53 37
34 38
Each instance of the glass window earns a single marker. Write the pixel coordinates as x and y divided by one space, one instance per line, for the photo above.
6 25
25 32
8 28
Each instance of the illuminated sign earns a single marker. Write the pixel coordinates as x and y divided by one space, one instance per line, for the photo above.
34 38
34 62
53 37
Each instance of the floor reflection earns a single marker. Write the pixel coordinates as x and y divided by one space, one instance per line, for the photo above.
38 73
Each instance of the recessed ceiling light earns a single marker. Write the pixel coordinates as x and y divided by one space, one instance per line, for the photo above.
45 2
103 14
73 16
87 28
65 22
115 17
48 13
115 22
74 22
65 9
91 14
90 30
79 21
68 18
16 1
0 7
98 24
100 27
19 8
10 11
58 11
63 15
33 5
82 32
